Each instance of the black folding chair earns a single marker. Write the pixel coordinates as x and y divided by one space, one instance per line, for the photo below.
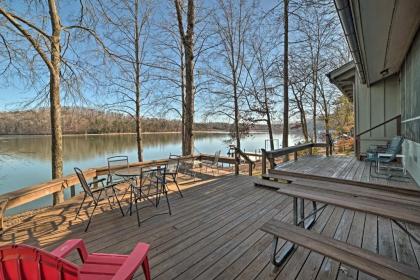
116 162
172 168
95 194
156 186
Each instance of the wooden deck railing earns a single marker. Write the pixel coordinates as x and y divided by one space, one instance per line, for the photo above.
28 194
240 154
272 155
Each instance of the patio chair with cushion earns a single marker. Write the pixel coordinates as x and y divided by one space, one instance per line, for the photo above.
30 263
384 154
95 194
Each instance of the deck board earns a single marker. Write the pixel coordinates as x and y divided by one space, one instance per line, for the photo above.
214 230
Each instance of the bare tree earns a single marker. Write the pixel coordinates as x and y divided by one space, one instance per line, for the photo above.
187 39
170 65
300 80
262 83
126 29
321 41
232 23
39 41
286 74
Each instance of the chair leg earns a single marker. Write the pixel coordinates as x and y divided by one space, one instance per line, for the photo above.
90 217
146 268
80 207
95 201
137 209
176 183
107 197
118 201
157 199
167 199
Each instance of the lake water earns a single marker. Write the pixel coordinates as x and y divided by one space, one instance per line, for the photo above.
25 160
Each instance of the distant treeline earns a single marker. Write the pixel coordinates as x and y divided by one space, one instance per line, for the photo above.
91 121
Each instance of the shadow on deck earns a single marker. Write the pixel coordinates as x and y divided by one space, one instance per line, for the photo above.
214 232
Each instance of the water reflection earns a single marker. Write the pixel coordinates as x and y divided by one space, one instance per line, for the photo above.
25 160
81 147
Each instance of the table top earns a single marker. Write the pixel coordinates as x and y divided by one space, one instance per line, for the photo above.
135 171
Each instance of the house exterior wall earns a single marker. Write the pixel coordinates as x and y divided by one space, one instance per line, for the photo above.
410 108
373 106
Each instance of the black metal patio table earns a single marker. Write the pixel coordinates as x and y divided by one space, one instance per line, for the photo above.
140 178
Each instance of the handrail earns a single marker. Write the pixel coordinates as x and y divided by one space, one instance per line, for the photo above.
357 138
238 154
271 155
381 124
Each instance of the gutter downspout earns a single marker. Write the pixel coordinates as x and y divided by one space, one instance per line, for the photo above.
346 18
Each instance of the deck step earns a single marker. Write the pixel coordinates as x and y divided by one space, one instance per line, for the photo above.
364 260
275 177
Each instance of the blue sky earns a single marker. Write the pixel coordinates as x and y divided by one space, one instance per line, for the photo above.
12 96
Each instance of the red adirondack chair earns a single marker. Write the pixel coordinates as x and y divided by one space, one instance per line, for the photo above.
23 262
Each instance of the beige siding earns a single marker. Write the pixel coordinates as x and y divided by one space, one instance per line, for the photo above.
374 105
410 106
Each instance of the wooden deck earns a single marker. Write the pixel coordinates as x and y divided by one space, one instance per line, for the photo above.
344 167
214 232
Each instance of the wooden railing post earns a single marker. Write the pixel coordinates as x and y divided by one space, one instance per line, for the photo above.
263 162
72 190
250 168
95 185
295 155
237 161
3 205
271 160
357 148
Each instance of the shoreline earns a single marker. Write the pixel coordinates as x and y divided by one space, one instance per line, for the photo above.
131 133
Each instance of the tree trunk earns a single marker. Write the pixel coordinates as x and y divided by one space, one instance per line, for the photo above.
188 42
270 131
137 82
286 77
236 111
315 97
314 115
55 105
182 74
304 125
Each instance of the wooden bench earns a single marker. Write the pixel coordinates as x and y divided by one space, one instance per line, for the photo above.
296 176
396 205
397 210
366 261
368 190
